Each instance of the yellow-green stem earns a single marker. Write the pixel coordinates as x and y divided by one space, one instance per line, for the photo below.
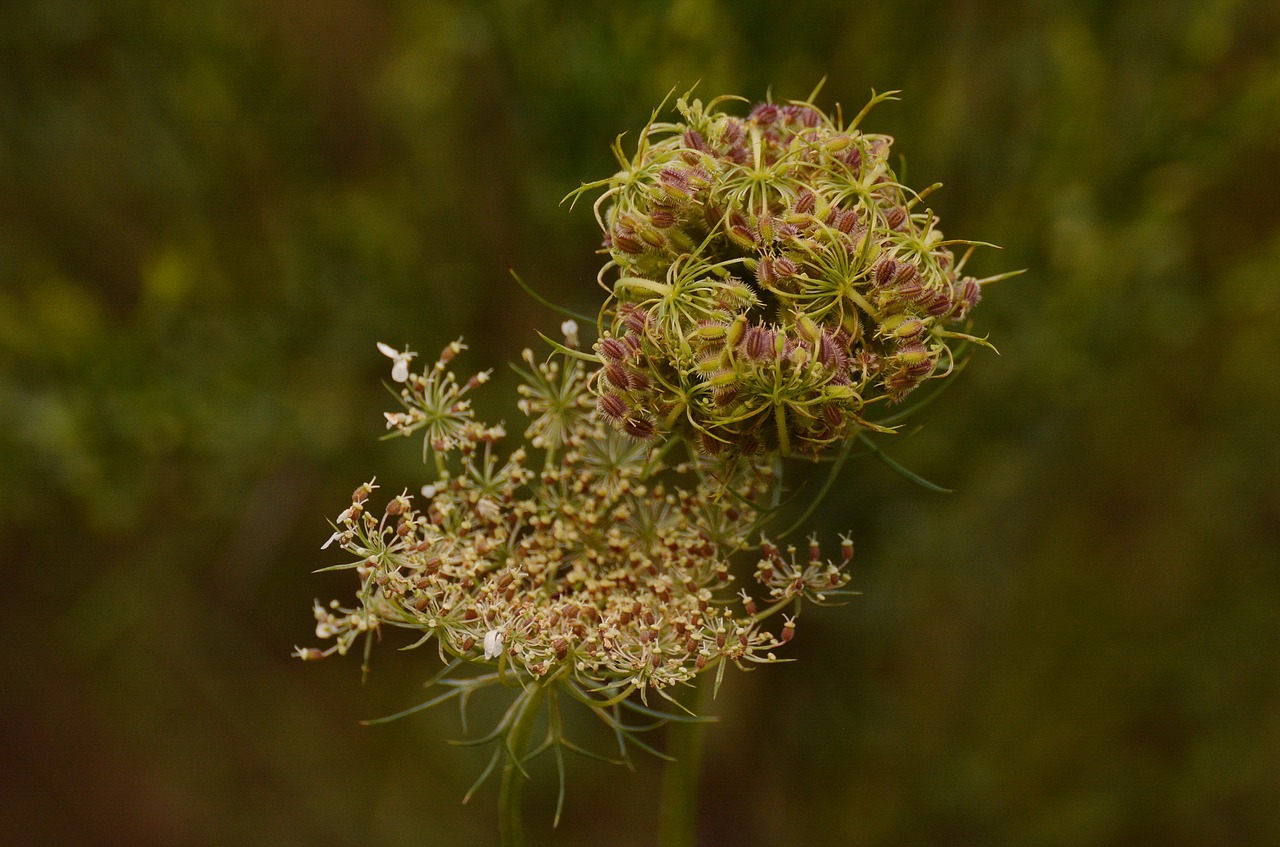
510 825
678 817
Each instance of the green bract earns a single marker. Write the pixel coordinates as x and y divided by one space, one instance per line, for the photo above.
770 278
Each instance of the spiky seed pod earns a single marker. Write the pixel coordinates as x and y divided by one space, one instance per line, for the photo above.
968 293
635 318
641 429
613 408
805 201
613 350
625 240
617 376
886 271
662 217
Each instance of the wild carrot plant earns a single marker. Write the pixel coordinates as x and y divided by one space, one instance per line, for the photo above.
769 286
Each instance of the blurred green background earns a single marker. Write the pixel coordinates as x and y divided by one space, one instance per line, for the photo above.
209 212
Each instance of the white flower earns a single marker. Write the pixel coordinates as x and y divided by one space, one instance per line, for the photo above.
489 509
492 644
400 361
570 330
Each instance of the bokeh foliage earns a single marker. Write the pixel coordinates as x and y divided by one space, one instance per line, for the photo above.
210 211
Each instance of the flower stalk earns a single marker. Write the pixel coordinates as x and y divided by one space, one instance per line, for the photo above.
678 815
527 707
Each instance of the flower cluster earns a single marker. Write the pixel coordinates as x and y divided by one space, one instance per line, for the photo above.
771 277
768 279
607 567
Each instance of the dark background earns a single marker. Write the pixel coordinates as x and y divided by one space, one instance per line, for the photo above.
209 212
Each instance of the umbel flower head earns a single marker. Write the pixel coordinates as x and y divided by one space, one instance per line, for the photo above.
602 568
769 279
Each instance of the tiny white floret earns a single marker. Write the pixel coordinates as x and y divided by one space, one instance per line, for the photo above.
399 361
492 644
570 330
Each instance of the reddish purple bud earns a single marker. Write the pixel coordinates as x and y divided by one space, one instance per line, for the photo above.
911 291
676 182
626 241
830 353
885 271
617 376
764 272
757 342
694 139
662 217
907 273
710 445
798 113
764 114
613 408
968 293
639 428
895 217
899 384
940 304
833 416
743 234
805 201
635 317
613 350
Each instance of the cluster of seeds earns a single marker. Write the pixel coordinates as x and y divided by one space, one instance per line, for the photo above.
605 567
769 278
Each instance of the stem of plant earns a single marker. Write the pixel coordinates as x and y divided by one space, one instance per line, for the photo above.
510 824
678 817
